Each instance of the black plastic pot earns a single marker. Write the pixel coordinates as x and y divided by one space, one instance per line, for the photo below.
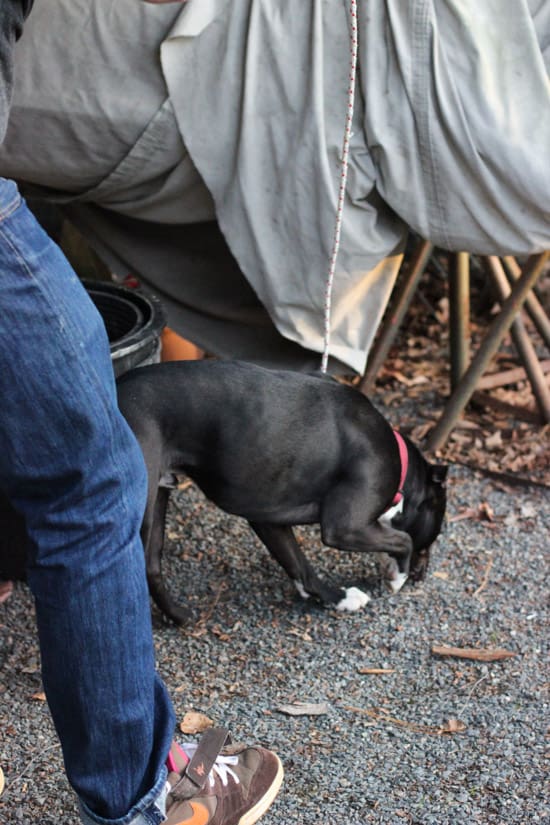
133 321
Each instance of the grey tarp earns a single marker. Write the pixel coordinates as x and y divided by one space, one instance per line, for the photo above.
149 119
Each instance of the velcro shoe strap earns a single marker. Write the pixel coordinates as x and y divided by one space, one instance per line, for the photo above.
196 772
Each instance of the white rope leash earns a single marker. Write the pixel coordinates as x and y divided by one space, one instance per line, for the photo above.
343 180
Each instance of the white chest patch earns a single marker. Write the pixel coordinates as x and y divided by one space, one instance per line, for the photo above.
386 517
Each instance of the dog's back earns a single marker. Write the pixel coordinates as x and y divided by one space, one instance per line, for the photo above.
232 425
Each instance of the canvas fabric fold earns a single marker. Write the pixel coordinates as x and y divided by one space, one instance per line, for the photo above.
170 116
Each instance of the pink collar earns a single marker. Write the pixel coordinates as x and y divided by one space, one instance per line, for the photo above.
404 458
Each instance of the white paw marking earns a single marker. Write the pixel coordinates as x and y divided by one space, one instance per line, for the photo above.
397 582
390 572
301 590
354 599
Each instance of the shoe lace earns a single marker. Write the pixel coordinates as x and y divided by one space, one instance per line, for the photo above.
222 766
223 770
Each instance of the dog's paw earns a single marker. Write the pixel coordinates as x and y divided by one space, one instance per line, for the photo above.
301 589
396 583
354 599
390 571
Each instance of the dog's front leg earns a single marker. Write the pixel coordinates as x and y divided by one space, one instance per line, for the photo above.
345 525
282 545
395 570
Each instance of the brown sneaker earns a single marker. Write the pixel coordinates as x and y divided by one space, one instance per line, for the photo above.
221 784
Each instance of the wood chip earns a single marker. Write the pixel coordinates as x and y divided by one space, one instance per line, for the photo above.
375 671
477 654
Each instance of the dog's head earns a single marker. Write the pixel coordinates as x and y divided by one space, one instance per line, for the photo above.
428 520
423 514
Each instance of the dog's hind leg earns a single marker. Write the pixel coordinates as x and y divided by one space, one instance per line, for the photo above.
282 545
153 541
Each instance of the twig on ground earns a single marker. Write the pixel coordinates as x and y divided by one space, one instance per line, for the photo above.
451 726
477 654
485 579
33 761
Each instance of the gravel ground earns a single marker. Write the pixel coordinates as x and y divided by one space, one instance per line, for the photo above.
379 754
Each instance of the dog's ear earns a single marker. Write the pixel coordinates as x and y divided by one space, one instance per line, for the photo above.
439 473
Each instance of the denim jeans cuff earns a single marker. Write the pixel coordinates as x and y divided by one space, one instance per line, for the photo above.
150 810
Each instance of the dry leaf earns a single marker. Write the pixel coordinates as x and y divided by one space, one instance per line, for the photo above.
482 513
461 439
301 634
39 697
320 743
466 512
477 654
6 589
528 511
486 511
466 424
221 634
453 726
443 310
304 709
494 441
194 722
401 377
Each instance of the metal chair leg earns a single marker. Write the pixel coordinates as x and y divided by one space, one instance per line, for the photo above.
459 315
500 326
532 304
522 342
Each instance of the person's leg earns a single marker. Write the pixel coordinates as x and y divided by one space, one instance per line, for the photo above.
69 463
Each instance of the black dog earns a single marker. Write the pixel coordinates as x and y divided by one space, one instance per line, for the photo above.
281 449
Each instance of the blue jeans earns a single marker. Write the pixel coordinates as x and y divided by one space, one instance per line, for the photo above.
70 464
